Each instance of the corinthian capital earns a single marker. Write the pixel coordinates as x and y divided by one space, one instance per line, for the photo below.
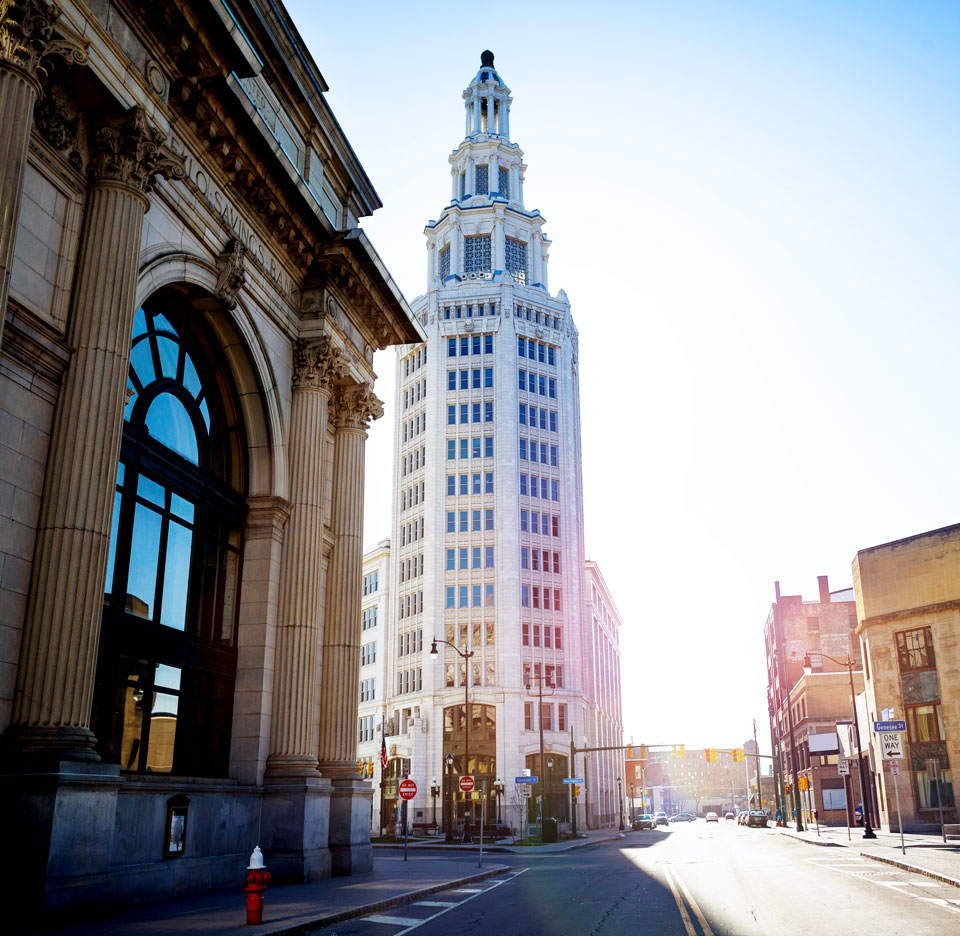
26 36
317 364
356 406
133 152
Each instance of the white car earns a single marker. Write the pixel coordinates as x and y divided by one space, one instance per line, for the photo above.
712 817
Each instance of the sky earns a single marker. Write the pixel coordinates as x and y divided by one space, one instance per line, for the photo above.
754 210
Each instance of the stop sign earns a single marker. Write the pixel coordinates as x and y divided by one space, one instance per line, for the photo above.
408 789
466 784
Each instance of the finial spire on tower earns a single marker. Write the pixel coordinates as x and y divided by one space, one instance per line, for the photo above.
487 101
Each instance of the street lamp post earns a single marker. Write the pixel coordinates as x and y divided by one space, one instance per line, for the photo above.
633 808
620 793
541 778
498 788
434 792
464 655
868 832
449 761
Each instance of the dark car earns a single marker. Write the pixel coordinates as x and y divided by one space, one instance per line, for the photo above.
644 821
757 818
683 817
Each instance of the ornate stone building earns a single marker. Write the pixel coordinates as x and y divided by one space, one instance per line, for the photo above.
189 319
487 539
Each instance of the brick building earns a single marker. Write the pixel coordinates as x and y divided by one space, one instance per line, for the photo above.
908 609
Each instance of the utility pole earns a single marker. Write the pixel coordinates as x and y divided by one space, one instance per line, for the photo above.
756 751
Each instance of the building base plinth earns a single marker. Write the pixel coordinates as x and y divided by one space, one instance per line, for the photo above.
60 835
350 847
295 828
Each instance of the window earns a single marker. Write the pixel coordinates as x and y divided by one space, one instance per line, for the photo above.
488 446
450 591
451 347
488 520
915 650
451 485
522 379
516 259
524 557
464 447
553 455
168 631
488 482
476 596
558 638
488 557
528 716
523 449
451 560
488 596
464 380
551 355
464 525
369 618
475 483
451 380
523 414
475 343
463 597
451 521
476 520
525 596
451 414
925 723
475 375
463 557
482 177
487 340
488 376
368 653
555 490
503 181
445 257
488 411
476 558
475 447
562 716
546 713
451 449
476 254
552 388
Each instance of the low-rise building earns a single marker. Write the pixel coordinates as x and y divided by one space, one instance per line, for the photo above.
908 611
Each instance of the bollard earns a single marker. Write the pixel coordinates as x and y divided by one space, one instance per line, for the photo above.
258 877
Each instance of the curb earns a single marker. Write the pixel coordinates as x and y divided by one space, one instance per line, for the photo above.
501 849
398 900
916 869
799 838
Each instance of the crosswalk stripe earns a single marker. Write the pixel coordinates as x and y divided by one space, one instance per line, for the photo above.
395 921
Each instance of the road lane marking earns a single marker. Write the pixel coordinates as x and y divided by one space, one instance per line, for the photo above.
395 921
437 903
473 892
688 926
695 906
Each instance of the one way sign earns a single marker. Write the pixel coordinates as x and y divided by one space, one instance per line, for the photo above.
891 743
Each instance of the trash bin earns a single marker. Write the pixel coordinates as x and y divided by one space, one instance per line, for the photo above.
551 832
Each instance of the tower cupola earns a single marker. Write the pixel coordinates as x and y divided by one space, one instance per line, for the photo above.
487 101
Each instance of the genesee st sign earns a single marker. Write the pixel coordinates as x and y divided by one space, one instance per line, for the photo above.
880 726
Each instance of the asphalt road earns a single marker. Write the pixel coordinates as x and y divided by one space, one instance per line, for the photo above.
692 880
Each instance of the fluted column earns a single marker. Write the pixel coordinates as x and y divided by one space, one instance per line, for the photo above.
293 732
52 702
340 669
26 38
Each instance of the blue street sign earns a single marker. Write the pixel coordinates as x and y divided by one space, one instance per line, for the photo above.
889 726
527 779
573 780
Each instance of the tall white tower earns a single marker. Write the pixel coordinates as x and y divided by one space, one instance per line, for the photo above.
488 503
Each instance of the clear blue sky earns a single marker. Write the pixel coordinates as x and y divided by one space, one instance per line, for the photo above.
755 211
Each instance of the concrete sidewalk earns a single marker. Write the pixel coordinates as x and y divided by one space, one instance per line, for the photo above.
505 845
291 908
296 908
925 854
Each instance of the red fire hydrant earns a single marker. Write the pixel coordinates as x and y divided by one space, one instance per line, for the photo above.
258 877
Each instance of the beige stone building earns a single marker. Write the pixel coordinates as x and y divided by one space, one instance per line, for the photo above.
189 315
908 610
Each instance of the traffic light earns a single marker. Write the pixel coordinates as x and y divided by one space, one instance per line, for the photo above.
643 752
738 755
680 751
362 768
576 790
629 753
710 754
674 753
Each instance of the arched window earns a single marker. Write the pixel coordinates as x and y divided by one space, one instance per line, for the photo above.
167 644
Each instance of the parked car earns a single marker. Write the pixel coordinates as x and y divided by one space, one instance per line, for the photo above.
712 817
757 818
662 818
742 817
729 815
683 817
644 821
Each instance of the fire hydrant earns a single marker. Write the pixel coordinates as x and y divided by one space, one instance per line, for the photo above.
258 877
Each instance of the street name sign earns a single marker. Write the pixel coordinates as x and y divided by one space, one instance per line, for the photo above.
526 779
881 726
407 789
843 767
572 780
467 784
891 744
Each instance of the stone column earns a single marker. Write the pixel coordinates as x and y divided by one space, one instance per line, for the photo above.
26 38
53 698
340 672
491 117
296 801
493 172
477 125
455 265
466 110
454 188
431 263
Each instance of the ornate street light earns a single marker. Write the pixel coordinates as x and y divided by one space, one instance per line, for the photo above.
449 761
434 793
498 787
464 655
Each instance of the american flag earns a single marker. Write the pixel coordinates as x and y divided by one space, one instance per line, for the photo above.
383 753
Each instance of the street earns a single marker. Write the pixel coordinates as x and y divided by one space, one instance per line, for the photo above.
690 880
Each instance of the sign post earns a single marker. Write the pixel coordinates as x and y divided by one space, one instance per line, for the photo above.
843 768
407 790
891 745
483 810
